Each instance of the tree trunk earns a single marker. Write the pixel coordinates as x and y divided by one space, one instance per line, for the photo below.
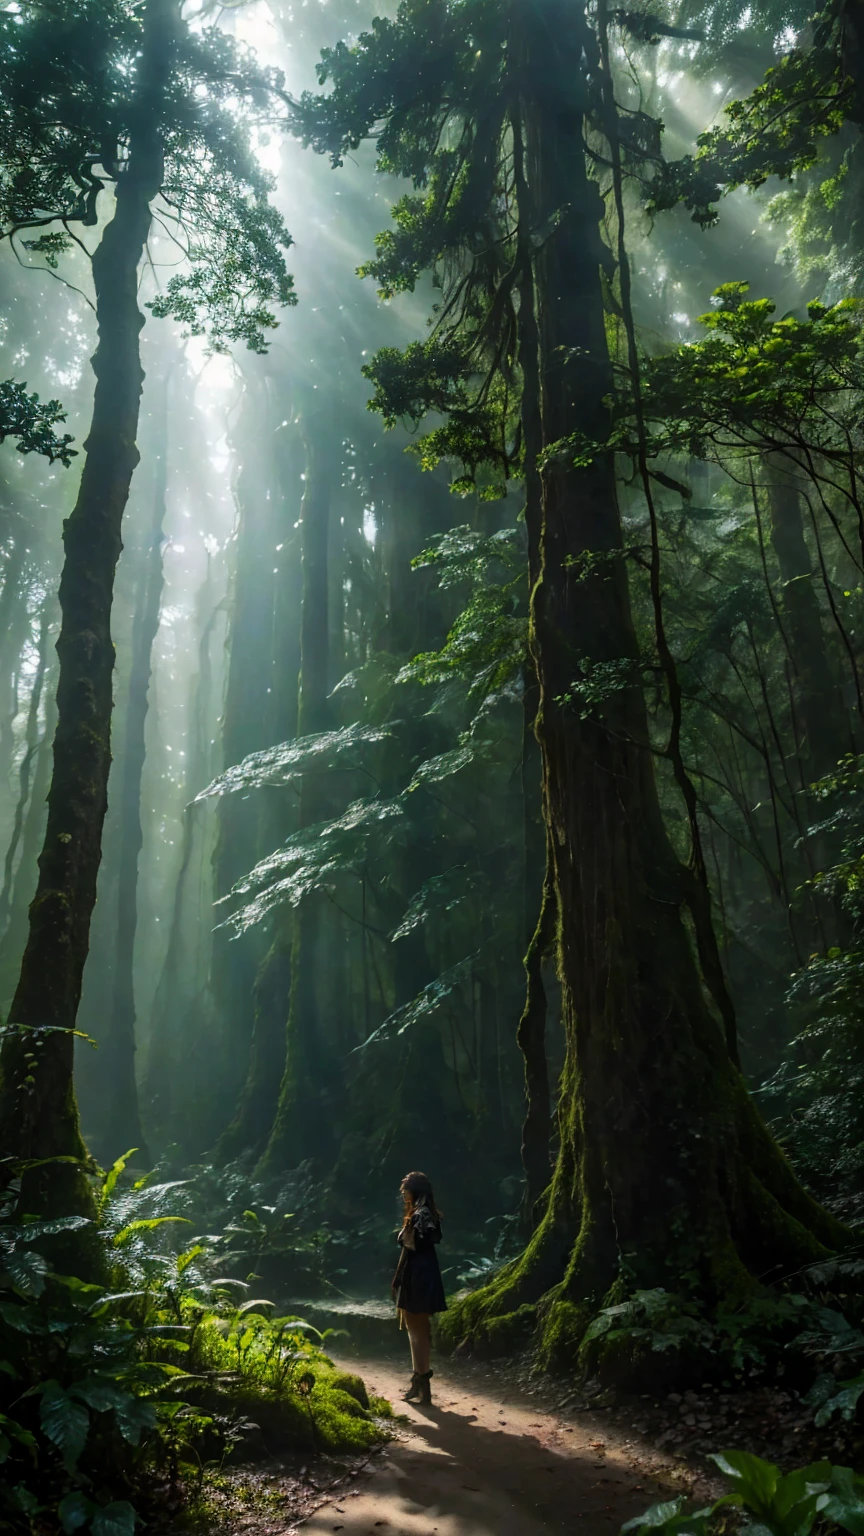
300 1123
531 1039
119 1121
664 1169
178 986
223 1048
256 1110
823 713
32 837
31 749
38 1112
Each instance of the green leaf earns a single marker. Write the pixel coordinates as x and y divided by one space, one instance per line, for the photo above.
101 1396
74 1511
64 1422
109 1183
145 1224
36 1229
657 1517
290 759
114 1520
27 1272
845 1502
433 996
134 1418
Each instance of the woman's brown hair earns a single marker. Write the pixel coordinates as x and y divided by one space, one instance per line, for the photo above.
413 1186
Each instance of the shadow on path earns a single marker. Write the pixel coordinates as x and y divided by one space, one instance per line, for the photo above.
480 1462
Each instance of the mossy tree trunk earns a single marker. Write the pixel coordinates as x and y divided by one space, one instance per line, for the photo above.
664 1169
38 1112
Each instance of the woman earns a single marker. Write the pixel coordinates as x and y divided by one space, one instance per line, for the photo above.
417 1287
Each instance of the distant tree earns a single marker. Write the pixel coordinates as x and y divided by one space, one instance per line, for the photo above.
142 104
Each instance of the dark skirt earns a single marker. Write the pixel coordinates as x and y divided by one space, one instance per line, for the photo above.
420 1288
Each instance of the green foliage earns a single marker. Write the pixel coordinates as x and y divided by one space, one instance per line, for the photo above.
99 1387
776 131
287 761
818 1089
773 1503
753 386
738 1343
25 418
487 643
215 199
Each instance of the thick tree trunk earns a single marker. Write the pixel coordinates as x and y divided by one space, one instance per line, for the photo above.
38 1112
664 1169
299 1123
119 1119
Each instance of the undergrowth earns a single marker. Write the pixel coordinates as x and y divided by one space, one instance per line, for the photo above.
154 1378
770 1503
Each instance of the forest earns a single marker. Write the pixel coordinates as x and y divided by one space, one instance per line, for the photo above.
431 726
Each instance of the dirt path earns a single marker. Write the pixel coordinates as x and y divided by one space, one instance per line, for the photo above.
485 1460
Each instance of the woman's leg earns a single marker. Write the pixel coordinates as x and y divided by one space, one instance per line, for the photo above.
419 1335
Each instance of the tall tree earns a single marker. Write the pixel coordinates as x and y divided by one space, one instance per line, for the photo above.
164 130
120 1120
664 1168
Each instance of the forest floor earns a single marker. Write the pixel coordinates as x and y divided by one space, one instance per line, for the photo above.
489 1458
499 1454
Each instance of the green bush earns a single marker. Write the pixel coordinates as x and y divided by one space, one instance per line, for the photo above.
168 1367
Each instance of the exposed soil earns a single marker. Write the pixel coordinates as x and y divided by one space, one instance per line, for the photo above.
501 1454
489 1458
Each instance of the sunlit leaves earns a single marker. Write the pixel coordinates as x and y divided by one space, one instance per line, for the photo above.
282 764
311 859
68 121
438 896
436 995
754 384
776 131
31 423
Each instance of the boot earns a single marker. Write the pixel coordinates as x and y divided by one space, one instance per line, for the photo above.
420 1390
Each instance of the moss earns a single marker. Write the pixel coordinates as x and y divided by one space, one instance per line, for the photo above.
346 1381
303 1401
564 1326
489 1332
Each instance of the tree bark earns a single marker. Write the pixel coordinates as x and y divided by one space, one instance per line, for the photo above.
664 1169
38 1111
531 1039
119 1122
823 713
